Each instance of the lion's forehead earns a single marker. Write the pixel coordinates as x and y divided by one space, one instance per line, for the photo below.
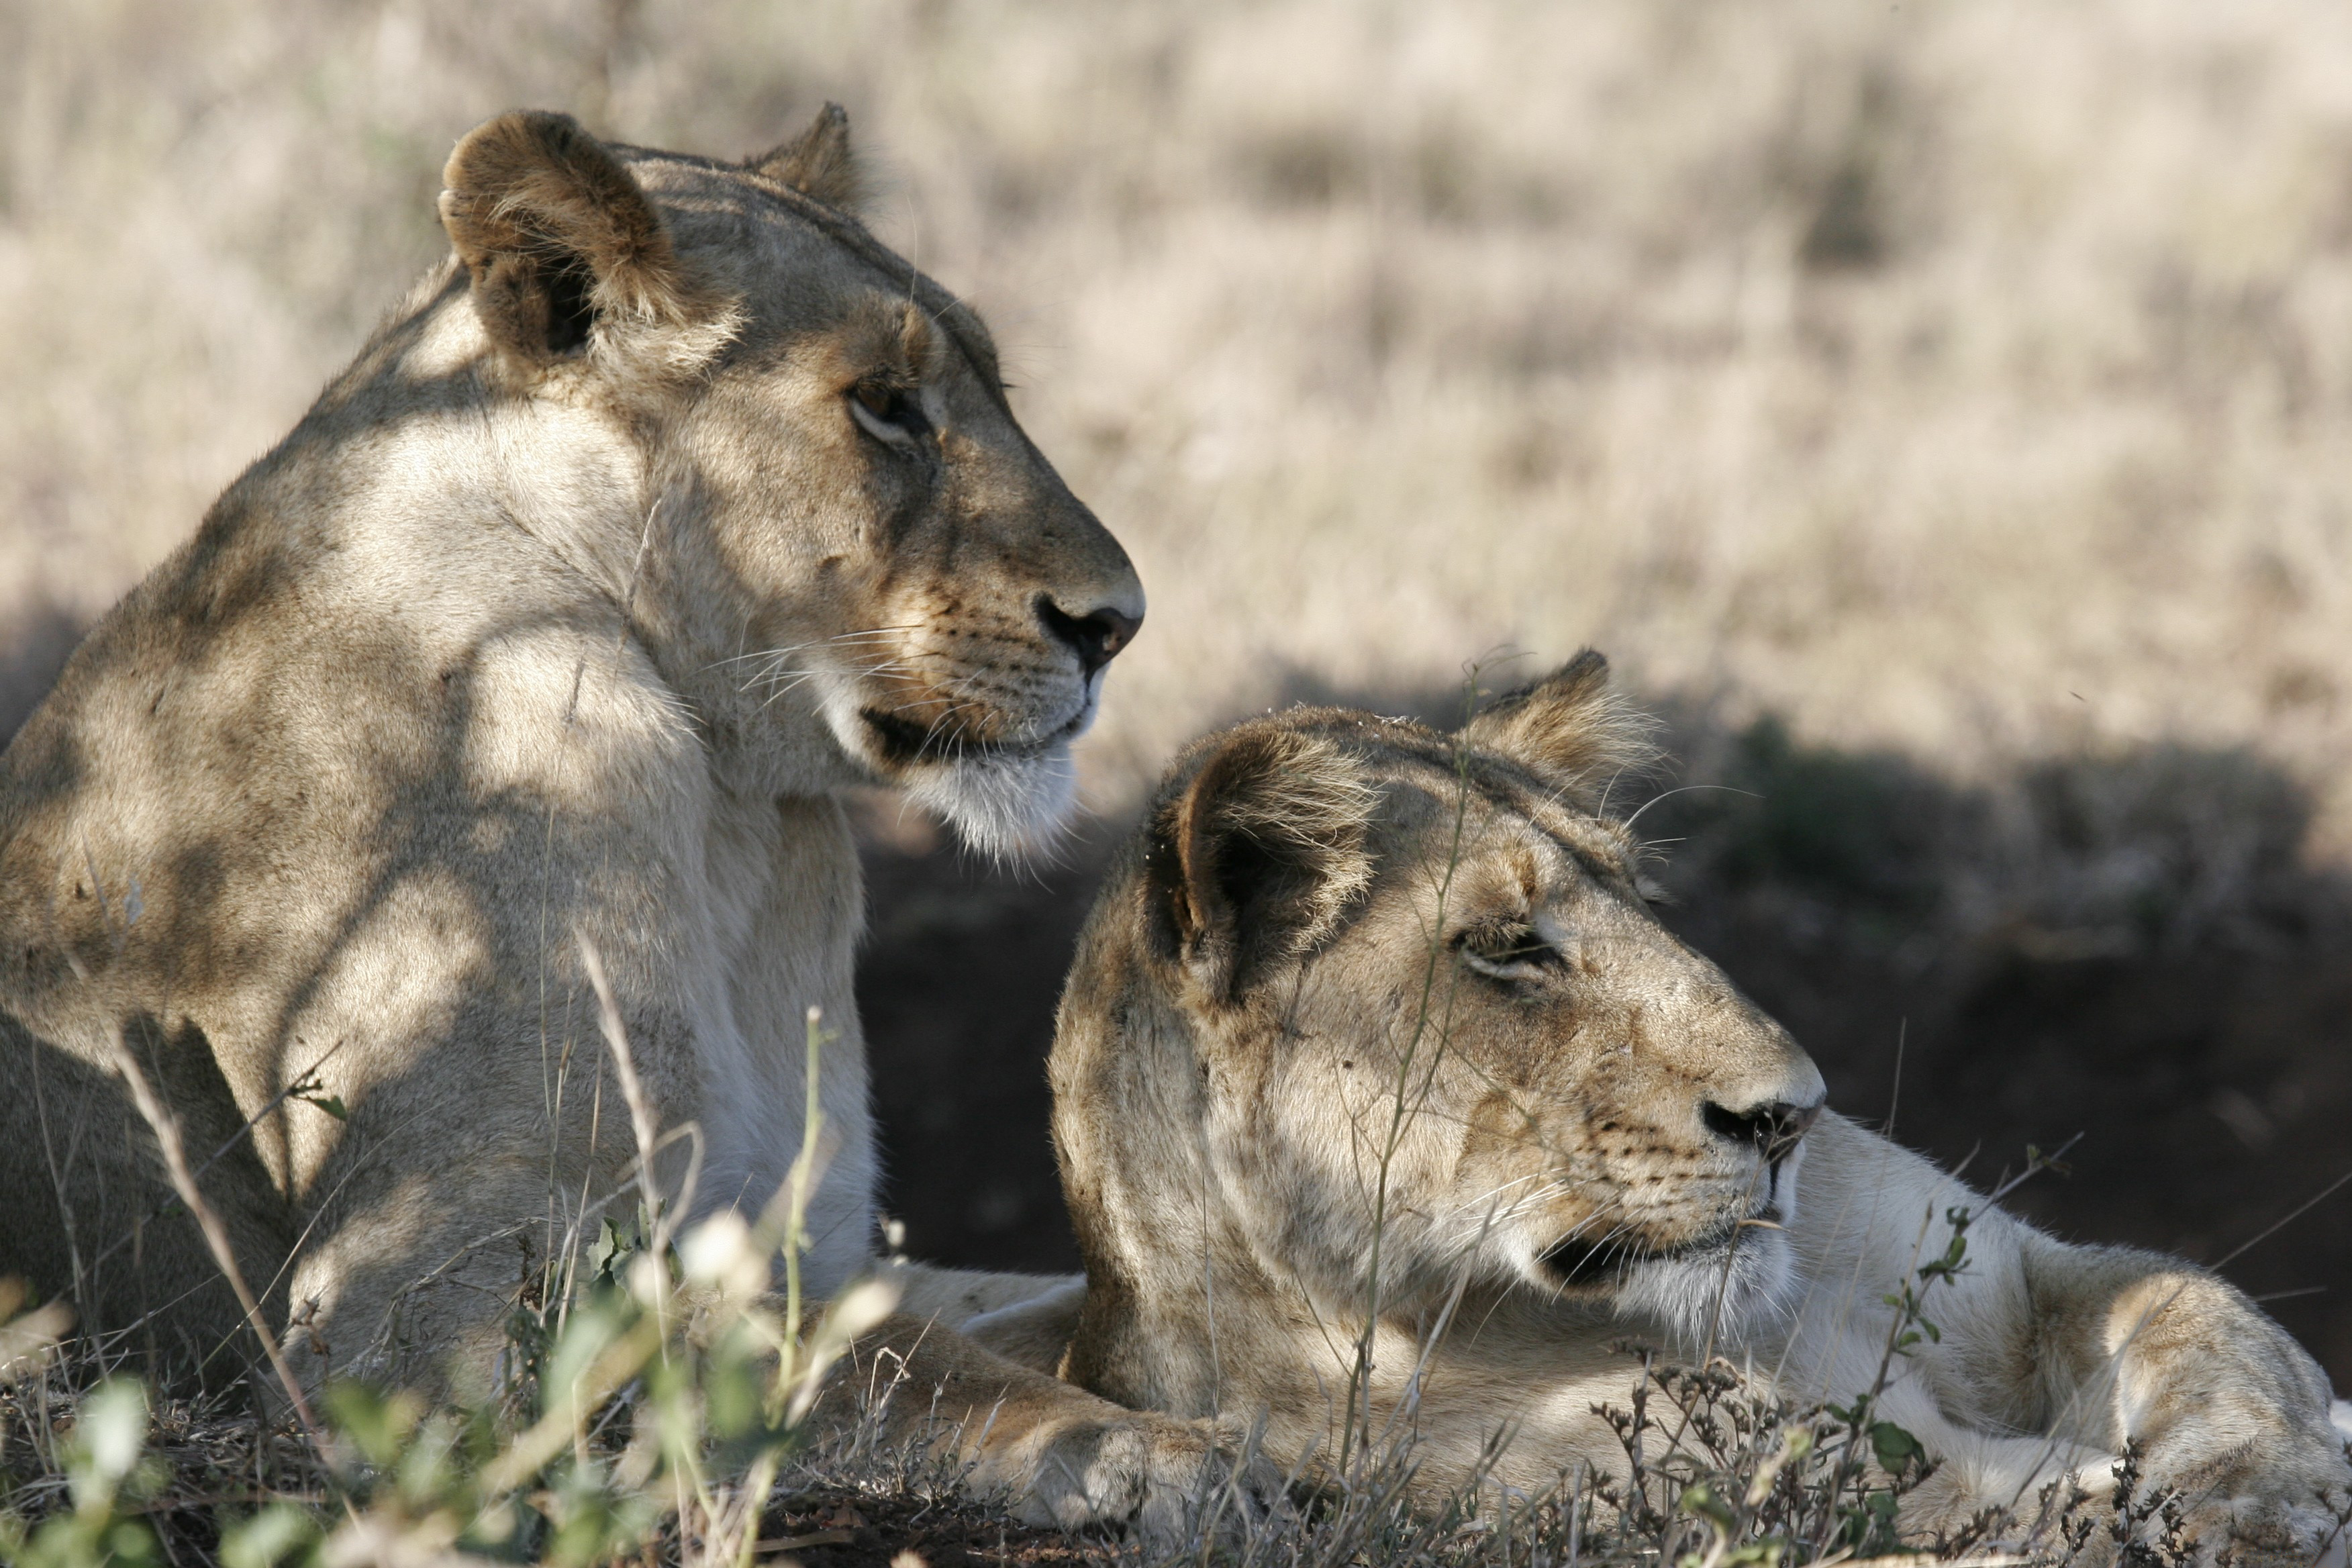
1491 844
753 229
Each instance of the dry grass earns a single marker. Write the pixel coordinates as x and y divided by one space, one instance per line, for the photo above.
94 1473
1966 380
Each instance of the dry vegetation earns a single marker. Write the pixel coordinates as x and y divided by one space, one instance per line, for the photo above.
656 1403
1967 379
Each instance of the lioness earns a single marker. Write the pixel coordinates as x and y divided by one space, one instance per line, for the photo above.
666 508
1368 1014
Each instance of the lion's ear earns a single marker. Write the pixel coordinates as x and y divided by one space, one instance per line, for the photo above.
557 236
1261 854
1568 729
817 163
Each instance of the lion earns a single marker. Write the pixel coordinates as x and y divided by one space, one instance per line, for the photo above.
670 507
1372 1047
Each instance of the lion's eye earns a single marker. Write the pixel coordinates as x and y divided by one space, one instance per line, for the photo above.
888 411
1507 949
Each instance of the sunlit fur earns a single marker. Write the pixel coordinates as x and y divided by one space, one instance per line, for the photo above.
1370 1021
561 621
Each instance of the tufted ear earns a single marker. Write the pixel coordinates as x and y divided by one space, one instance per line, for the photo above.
557 238
817 163
1568 729
1261 854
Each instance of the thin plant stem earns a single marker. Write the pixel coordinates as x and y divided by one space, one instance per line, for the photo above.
175 1161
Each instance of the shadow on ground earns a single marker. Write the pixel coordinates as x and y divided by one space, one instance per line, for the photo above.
2132 947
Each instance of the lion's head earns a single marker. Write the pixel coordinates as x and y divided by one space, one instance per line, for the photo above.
790 453
1365 995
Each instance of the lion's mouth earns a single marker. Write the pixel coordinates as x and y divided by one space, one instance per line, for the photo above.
1575 1260
904 743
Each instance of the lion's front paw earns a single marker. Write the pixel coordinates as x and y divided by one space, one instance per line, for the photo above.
2276 1507
2275 1529
1169 1481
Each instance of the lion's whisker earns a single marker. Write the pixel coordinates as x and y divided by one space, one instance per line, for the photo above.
862 634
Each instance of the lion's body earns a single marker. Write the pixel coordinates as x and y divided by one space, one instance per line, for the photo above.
668 508
387 801
1371 1016
322 743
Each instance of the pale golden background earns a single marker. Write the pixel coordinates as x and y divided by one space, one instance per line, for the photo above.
1966 386
1969 378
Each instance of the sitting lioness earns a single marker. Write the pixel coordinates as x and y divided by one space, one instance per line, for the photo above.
666 509
1369 1014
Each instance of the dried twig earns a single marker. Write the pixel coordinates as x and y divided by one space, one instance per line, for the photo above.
176 1161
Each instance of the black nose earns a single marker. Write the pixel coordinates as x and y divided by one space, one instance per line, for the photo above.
1095 637
1773 1130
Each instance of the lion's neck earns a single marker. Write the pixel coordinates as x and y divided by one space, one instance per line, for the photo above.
536 534
557 493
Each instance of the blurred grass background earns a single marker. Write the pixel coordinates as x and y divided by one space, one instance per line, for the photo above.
1939 410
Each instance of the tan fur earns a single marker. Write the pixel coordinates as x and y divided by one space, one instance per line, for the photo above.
670 507
817 163
1462 1056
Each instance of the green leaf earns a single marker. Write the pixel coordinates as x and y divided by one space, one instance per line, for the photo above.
310 1094
109 1436
268 1538
429 1469
1894 1447
1703 1502
594 1324
379 1424
130 1544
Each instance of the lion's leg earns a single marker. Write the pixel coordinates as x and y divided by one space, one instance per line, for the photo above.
2090 1348
1063 1457
953 1297
1027 1318
2221 1401
414 1282
94 1218
2030 1478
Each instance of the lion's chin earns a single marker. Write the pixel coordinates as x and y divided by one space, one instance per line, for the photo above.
1713 1291
1718 1292
1004 804
1005 799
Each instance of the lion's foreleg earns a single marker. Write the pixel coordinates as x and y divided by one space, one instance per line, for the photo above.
1059 1455
2150 1351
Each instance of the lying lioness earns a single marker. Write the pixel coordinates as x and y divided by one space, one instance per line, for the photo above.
1369 1014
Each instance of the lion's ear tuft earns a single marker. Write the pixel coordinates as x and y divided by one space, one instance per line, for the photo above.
557 236
1261 854
1570 730
817 163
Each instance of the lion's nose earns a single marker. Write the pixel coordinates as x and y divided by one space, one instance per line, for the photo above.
1771 1130
1096 635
